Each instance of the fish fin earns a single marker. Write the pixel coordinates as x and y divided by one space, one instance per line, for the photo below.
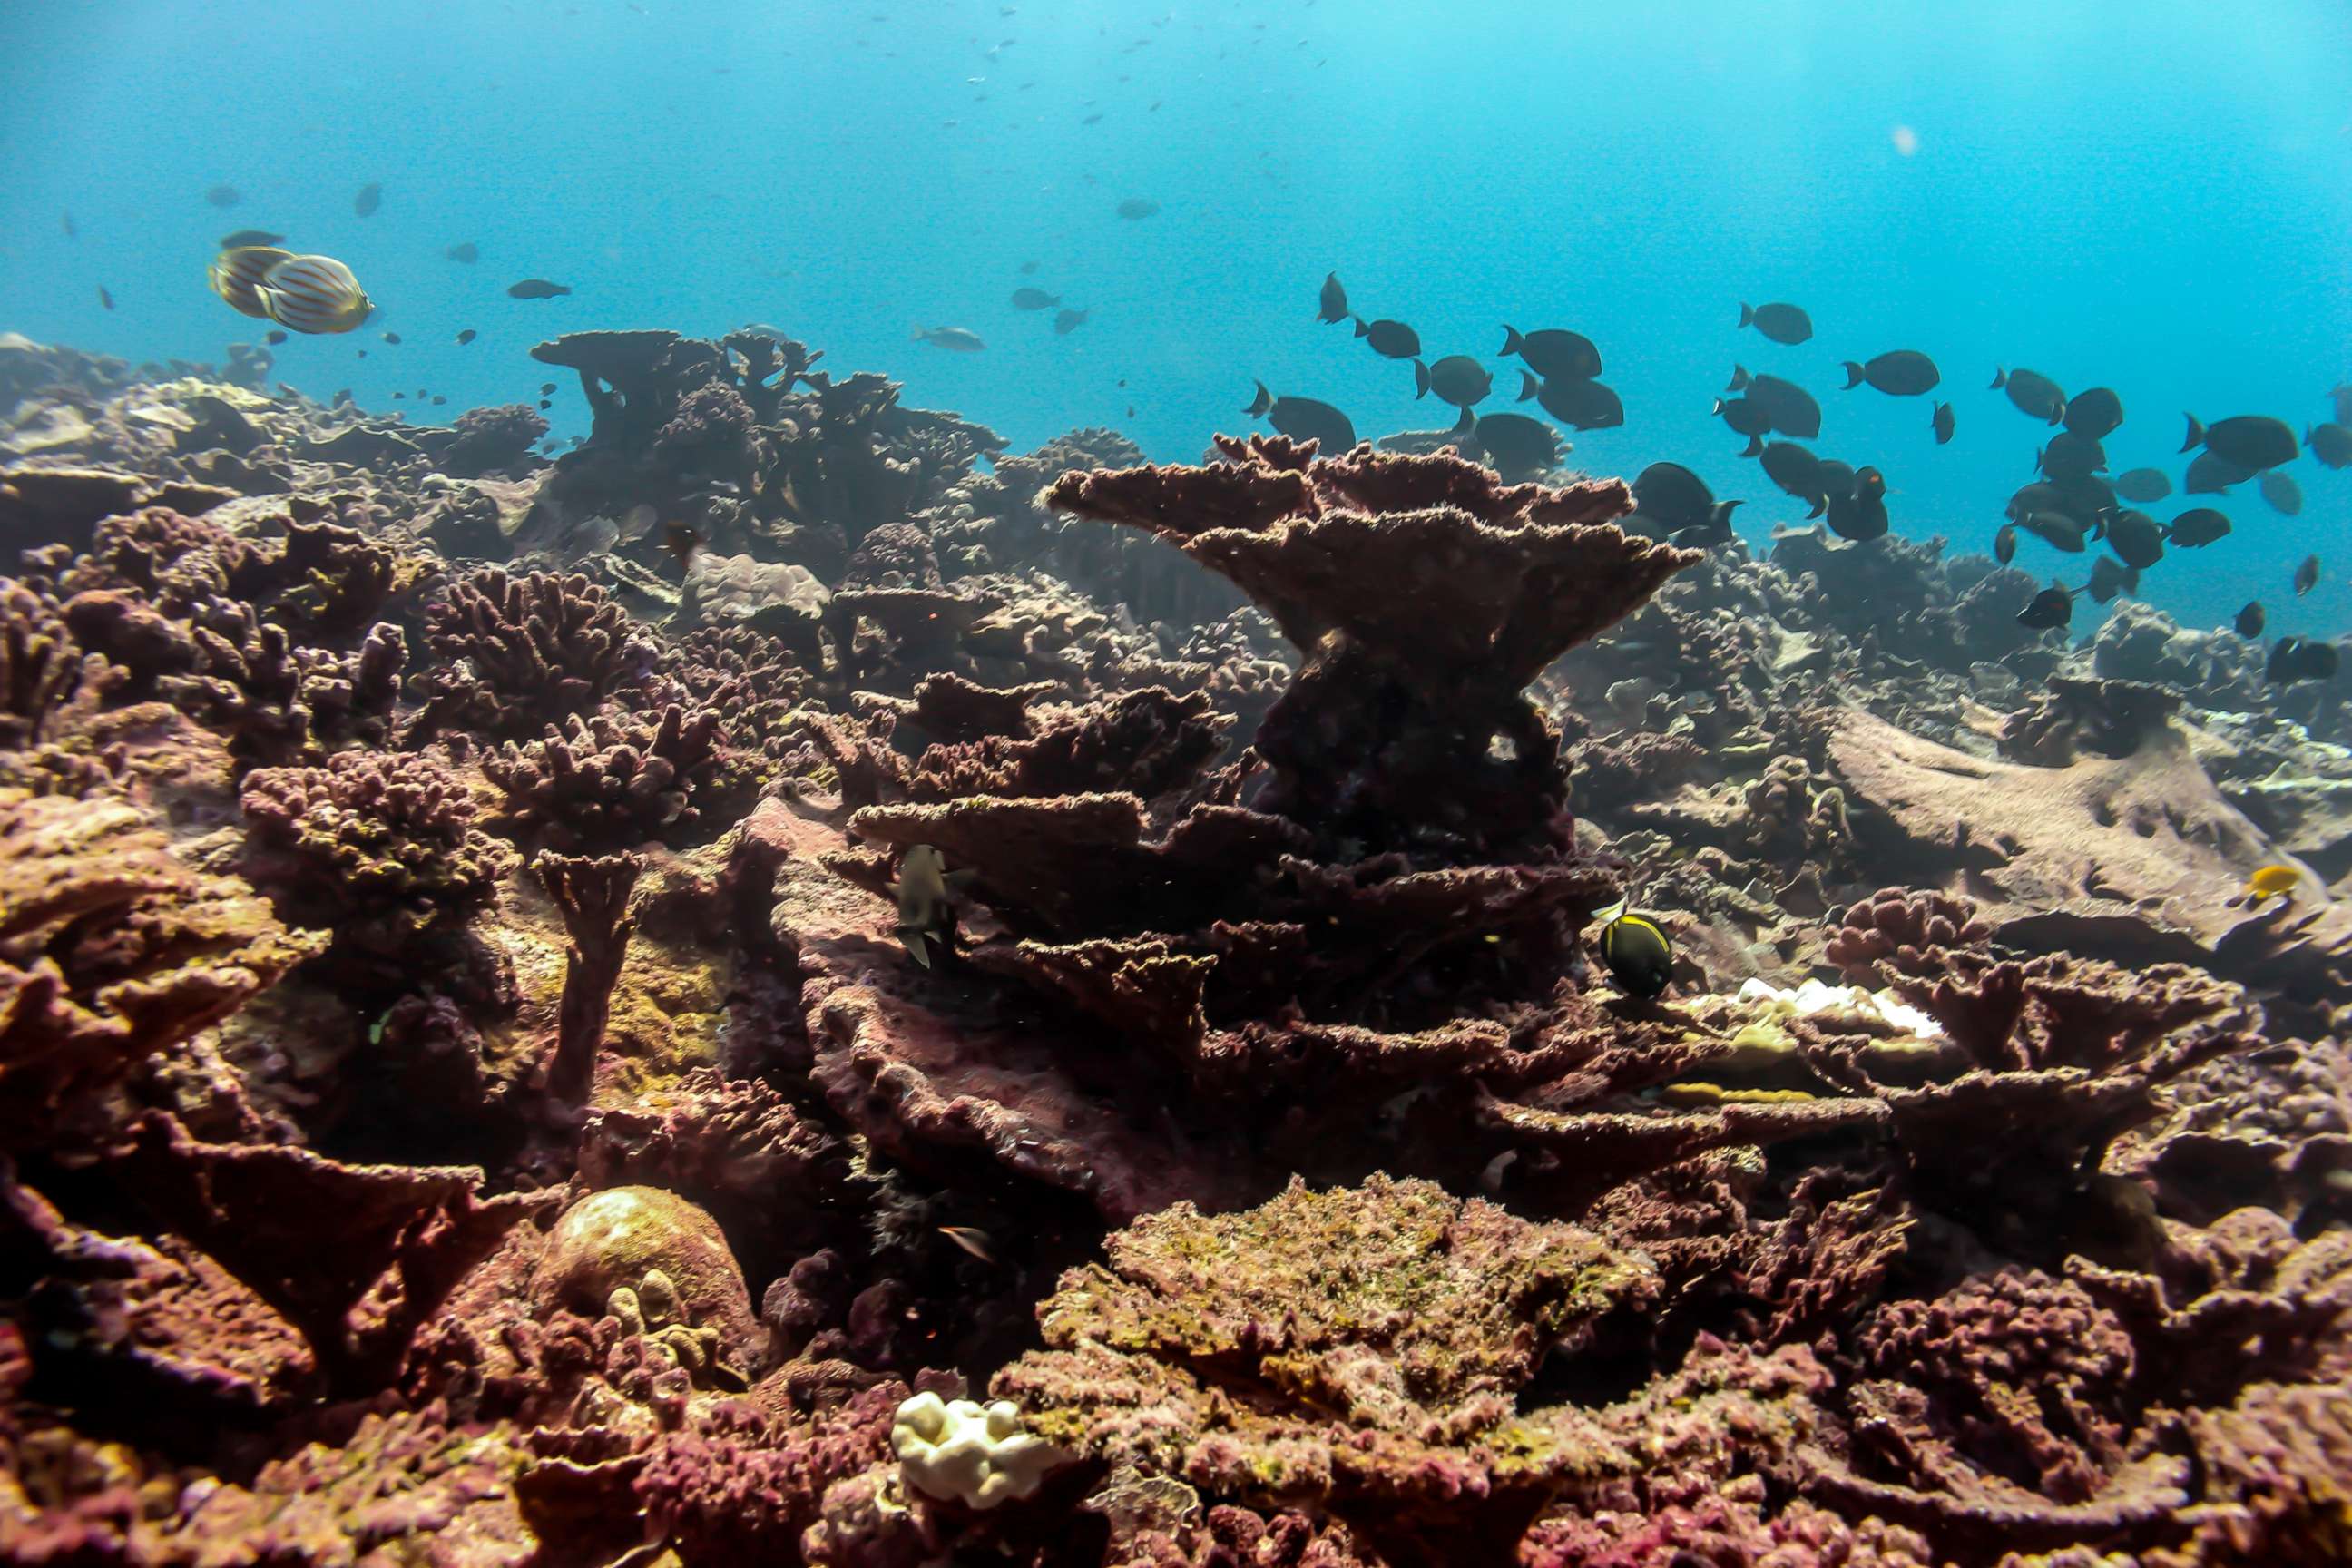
1512 341
1363 328
2196 437
1529 386
917 335
1614 913
911 938
1720 513
1747 316
1999 379
1419 381
1819 506
1466 422
959 881
1852 376
1261 402
1755 447
1739 380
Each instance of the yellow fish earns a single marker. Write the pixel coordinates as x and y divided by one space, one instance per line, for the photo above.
2272 880
236 274
314 294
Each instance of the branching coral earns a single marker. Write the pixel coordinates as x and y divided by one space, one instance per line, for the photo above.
533 648
593 898
615 781
379 847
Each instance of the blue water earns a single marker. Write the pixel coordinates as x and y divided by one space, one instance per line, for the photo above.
2151 195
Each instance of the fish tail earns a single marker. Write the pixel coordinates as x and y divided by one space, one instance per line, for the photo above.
2196 437
1999 379
1852 376
1528 386
1739 379
1419 381
1512 341
1465 421
1821 505
1363 328
1720 514
1747 316
1261 402
917 335
1755 447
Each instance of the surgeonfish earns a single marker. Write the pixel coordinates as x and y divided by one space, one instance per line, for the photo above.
2049 610
536 288
2307 575
313 294
1941 423
1554 353
1306 419
2251 441
1390 340
1333 305
1034 300
245 238
1068 319
236 276
2032 392
1784 324
925 913
2301 658
1899 372
2249 620
1636 951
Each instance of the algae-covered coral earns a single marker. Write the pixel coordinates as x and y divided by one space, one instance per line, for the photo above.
488 1108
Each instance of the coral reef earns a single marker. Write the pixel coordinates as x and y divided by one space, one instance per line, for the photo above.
486 1078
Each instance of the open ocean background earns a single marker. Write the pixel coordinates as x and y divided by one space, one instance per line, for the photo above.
2150 195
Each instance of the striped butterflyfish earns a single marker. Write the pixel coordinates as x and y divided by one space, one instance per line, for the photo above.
236 273
1636 951
313 294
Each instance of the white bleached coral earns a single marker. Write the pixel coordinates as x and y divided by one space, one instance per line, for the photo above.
973 1454
1812 997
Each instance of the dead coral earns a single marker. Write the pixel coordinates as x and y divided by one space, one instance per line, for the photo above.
591 895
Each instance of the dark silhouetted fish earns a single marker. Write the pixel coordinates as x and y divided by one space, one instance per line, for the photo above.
467 336
2136 539
105 298
1782 323
2252 441
2048 610
2306 577
1941 423
1860 513
547 389
1639 956
1554 353
1067 321
274 336
1835 479
955 339
248 236
1899 372
2342 397
468 253
2004 544
2095 414
2249 620
1136 207
1579 404
66 219
1391 340
2032 392
2331 444
1458 379
2197 528
2110 577
224 195
1795 470
392 338
1679 501
2296 659
2069 455
1306 419
1790 408
1333 306
2143 485
2209 474
1033 299
2054 529
370 198
2281 490
1029 269
1746 416
536 288
1516 446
